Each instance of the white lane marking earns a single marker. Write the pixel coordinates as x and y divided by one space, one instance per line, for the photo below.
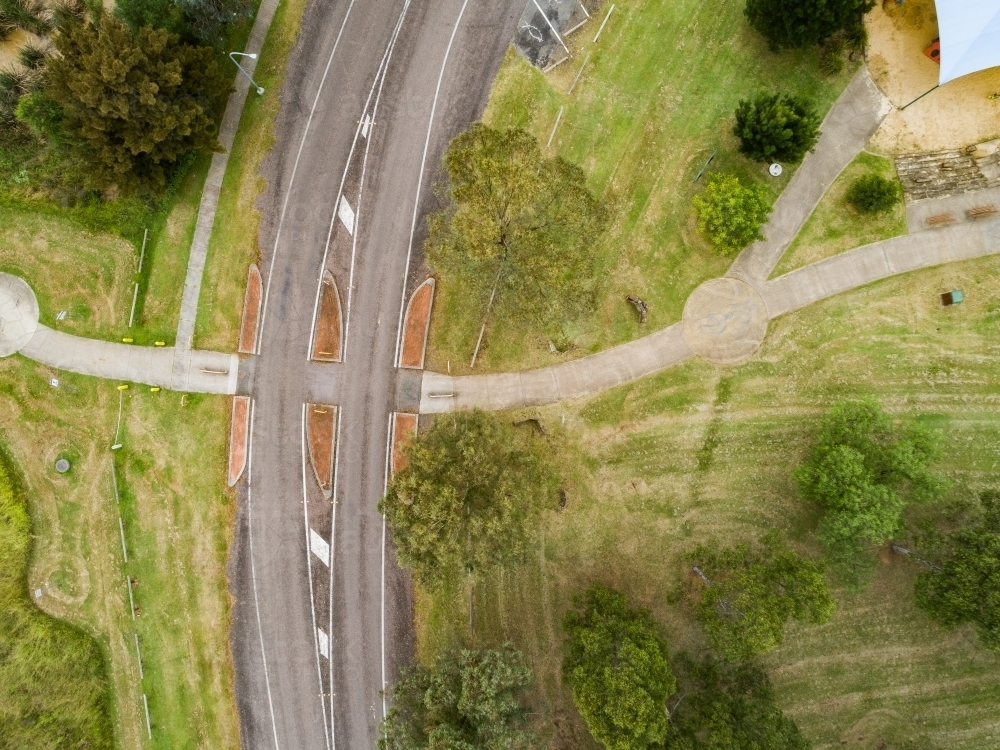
319 547
346 215
253 577
420 181
312 599
295 169
324 643
366 126
380 73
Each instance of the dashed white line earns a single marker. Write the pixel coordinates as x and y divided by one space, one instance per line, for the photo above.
346 214
319 547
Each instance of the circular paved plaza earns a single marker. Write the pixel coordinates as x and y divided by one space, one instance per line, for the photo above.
725 320
18 314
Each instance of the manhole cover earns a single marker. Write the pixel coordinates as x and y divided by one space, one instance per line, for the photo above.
62 465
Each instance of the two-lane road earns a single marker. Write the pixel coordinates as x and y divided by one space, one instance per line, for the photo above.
317 634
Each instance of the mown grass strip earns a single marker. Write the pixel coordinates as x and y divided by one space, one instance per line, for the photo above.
54 686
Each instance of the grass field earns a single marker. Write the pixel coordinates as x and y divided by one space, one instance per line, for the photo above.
655 101
703 454
836 226
54 689
177 512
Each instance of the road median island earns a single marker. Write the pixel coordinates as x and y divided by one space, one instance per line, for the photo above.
404 429
251 311
321 427
329 323
416 326
238 438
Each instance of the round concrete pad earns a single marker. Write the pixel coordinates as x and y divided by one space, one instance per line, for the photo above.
18 314
724 320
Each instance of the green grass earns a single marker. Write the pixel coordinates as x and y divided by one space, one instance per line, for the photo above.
703 454
654 102
177 511
54 687
836 226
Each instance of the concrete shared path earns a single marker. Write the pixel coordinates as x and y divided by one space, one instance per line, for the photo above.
165 367
216 172
848 126
714 332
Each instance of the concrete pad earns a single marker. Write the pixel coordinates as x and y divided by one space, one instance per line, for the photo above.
18 314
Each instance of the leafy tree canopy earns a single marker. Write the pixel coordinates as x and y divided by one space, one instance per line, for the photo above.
965 587
872 193
730 706
860 470
519 223
469 700
204 21
731 214
788 23
750 593
776 127
135 103
469 499
616 662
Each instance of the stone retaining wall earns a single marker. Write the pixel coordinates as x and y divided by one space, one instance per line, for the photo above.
953 172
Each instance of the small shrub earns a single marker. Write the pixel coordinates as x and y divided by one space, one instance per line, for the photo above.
872 193
42 115
831 57
731 214
776 127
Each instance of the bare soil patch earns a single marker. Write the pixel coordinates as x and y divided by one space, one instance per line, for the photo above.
957 114
415 327
238 438
326 343
251 311
321 424
404 428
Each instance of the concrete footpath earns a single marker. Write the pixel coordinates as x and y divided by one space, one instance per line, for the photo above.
877 261
848 126
216 173
667 347
166 367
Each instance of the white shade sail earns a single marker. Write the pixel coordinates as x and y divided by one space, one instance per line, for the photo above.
970 36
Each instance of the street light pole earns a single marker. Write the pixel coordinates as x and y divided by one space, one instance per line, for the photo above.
260 89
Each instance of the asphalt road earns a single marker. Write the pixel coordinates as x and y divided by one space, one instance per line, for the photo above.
414 73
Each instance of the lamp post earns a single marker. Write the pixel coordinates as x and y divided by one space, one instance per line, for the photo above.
260 89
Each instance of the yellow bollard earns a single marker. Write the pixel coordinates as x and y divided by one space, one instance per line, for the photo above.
160 343
155 389
127 340
123 387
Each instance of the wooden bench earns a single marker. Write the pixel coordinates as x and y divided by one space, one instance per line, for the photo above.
978 212
940 220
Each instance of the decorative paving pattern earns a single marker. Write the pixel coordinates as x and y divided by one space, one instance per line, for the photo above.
725 320
18 314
